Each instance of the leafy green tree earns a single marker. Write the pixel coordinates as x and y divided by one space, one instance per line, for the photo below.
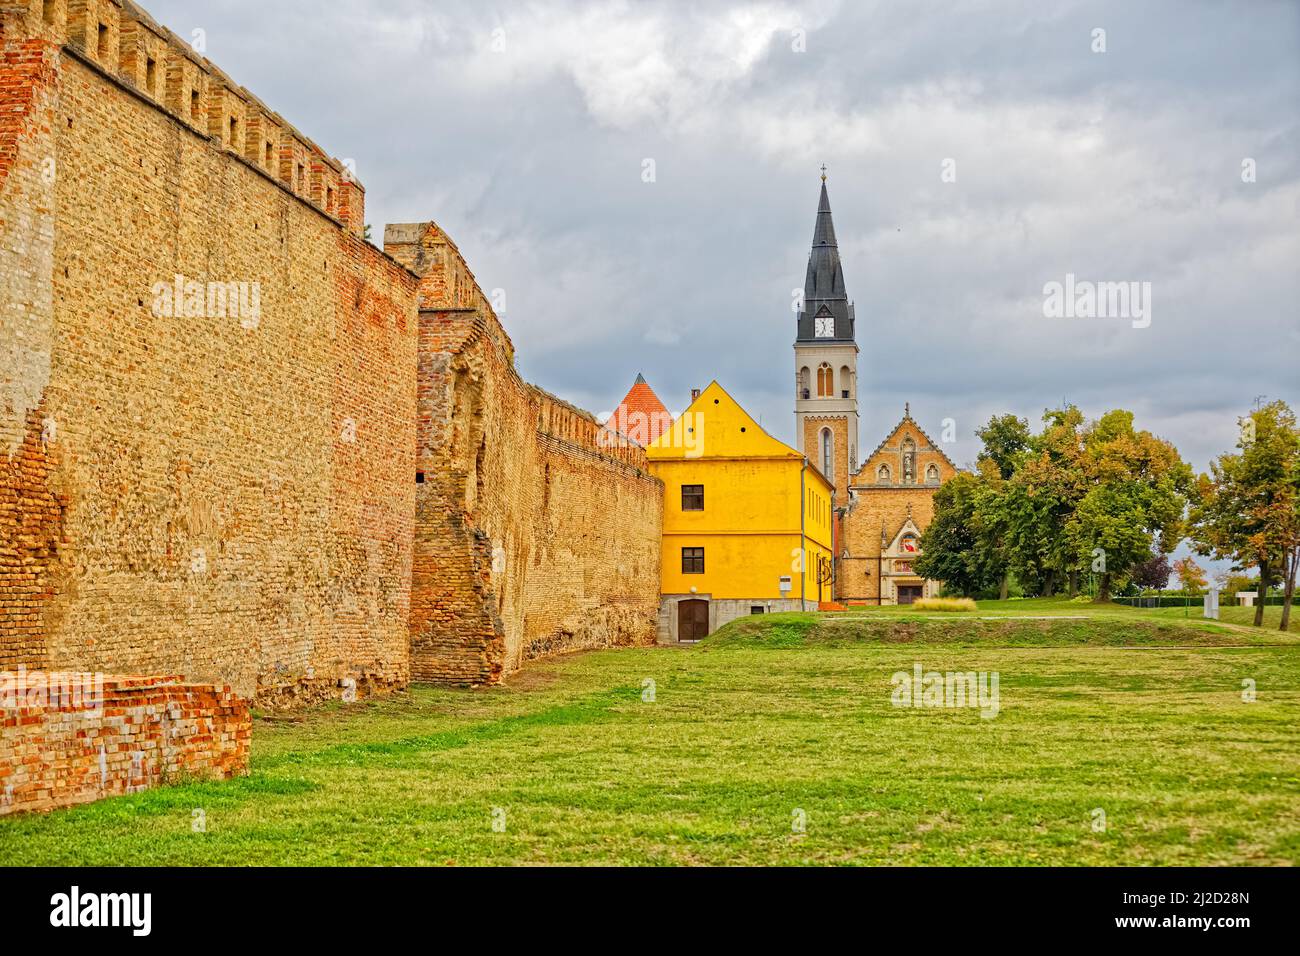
1041 495
1136 494
1006 439
952 549
1041 507
1246 507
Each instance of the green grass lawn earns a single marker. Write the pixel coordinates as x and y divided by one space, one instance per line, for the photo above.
1136 713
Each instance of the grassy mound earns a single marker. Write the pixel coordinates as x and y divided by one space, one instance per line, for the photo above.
783 631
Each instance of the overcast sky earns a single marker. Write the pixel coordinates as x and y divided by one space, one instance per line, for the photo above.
523 129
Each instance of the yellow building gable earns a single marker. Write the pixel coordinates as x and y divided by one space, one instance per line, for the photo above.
747 520
715 426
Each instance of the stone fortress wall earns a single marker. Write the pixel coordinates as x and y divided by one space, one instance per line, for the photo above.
537 530
239 443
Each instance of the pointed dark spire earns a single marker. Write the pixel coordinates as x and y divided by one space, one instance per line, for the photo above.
823 291
640 379
824 231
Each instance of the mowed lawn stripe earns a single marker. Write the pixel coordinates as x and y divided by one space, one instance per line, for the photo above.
749 750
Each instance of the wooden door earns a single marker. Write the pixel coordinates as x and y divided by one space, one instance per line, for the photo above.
692 619
907 593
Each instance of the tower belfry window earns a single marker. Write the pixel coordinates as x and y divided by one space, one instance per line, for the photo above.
828 453
825 381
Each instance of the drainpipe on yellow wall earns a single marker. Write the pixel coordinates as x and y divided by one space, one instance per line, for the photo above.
803 551
835 564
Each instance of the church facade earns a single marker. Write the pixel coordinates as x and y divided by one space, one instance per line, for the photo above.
883 503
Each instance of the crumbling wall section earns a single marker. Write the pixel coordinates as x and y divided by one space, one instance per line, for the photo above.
69 738
31 510
537 531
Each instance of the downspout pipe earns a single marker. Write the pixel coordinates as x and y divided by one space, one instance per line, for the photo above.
835 561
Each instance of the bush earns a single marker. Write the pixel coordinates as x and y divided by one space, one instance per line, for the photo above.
1163 600
944 604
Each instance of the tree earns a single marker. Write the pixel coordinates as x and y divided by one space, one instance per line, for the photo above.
1006 441
1153 573
1246 508
1190 575
1136 494
953 549
1042 493
1041 507
1006 438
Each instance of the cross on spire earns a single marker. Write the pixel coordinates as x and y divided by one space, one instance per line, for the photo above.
823 172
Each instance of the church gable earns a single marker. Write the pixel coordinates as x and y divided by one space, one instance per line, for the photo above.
907 457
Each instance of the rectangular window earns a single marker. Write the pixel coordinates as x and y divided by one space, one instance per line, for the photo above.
692 560
757 609
101 43
692 497
329 199
194 106
151 75
48 11
270 154
234 133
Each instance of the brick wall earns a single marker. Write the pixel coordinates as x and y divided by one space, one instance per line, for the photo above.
216 398
73 738
30 510
536 530
812 444
190 490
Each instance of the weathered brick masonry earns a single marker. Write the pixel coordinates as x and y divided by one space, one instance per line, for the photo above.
537 531
189 486
216 398
116 735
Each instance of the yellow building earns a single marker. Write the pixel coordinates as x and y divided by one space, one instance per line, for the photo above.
747 521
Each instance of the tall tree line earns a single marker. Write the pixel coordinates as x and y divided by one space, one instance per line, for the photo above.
1102 497
1077 497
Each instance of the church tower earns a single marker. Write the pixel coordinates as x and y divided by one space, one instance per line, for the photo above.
826 361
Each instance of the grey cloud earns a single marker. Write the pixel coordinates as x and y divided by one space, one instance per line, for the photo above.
1123 165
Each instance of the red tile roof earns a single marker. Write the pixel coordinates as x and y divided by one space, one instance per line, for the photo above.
640 416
